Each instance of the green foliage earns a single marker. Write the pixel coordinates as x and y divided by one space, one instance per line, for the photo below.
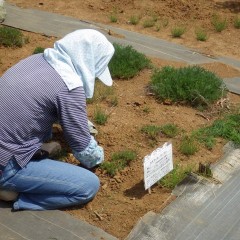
201 34
192 85
151 131
101 93
237 22
148 23
11 37
165 22
172 179
113 18
119 161
38 50
219 23
127 62
170 130
134 20
188 146
100 117
227 128
178 31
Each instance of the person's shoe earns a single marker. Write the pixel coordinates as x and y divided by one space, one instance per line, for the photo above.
6 195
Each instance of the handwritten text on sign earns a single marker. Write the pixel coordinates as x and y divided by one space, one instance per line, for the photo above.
157 164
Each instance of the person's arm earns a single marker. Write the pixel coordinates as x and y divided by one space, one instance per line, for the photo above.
73 119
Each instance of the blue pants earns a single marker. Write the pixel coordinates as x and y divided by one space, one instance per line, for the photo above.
48 184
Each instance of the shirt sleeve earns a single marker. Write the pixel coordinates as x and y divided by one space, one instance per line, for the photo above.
73 119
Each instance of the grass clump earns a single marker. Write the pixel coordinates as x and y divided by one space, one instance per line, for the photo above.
127 62
38 50
134 20
201 35
191 85
188 146
219 23
151 131
178 31
148 23
227 128
237 22
119 161
101 93
170 130
100 117
11 37
172 179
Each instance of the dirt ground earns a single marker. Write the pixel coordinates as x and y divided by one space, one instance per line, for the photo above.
122 200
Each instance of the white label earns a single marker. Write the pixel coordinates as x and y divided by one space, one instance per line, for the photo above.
157 164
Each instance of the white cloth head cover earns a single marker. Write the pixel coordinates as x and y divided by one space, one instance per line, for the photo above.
80 57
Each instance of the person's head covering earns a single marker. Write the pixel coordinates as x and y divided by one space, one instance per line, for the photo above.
80 57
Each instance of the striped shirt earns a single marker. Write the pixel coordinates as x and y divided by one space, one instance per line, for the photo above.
32 97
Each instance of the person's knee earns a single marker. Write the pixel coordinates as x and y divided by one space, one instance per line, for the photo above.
89 190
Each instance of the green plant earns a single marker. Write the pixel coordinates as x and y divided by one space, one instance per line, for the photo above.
165 22
101 92
192 85
127 62
178 31
11 37
113 18
38 50
226 128
148 23
170 130
177 175
113 101
201 34
205 170
146 109
100 117
219 23
119 161
151 131
188 146
134 20
237 22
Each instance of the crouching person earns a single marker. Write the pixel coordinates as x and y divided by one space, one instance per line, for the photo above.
37 92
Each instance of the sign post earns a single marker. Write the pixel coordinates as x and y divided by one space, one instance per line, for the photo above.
157 165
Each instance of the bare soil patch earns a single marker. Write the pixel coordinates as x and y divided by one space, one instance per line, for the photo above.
122 200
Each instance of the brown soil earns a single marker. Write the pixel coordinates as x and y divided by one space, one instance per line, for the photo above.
122 200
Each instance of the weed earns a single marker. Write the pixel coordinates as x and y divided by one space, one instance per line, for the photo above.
101 92
219 23
165 22
170 130
237 22
192 85
148 23
127 62
134 20
201 34
100 117
38 50
178 31
188 146
11 37
113 101
172 179
226 128
113 18
158 27
151 131
146 109
205 170
119 161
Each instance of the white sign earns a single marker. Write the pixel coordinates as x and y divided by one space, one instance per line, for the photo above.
157 164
